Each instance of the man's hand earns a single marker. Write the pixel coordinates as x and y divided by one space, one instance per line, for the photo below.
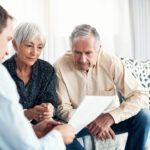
100 127
42 128
67 132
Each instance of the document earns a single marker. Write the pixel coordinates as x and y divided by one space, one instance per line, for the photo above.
89 109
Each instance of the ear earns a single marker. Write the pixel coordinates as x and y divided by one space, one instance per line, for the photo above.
14 45
99 49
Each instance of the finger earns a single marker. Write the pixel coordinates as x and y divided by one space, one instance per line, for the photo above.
95 132
44 105
112 133
104 135
38 113
47 117
61 123
108 135
36 116
50 115
40 117
90 126
43 117
40 109
93 129
48 106
50 110
47 113
100 137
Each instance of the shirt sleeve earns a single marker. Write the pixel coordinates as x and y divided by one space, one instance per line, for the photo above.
56 141
65 109
136 96
48 94
15 131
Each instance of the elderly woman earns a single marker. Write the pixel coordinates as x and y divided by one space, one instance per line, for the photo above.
35 78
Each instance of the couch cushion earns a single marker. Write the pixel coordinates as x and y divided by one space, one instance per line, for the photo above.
140 70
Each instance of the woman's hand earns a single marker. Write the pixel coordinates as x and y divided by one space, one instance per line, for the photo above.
40 112
49 110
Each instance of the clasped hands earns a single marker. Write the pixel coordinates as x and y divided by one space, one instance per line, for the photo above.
67 131
101 127
40 112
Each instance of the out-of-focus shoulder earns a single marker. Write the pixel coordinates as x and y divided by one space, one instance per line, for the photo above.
66 59
6 82
106 57
3 72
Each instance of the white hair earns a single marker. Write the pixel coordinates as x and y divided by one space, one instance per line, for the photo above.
82 31
26 32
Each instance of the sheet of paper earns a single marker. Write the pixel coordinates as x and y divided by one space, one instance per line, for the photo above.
89 109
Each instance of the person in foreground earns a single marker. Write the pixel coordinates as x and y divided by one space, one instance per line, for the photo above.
16 132
89 70
35 78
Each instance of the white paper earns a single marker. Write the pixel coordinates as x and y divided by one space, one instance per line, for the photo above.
89 109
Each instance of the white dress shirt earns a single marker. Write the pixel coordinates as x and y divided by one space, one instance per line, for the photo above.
16 132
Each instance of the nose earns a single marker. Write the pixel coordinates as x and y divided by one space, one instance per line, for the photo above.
33 52
83 58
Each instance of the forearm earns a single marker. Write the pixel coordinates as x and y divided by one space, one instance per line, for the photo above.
130 107
65 113
135 95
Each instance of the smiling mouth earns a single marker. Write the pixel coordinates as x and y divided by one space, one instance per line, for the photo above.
31 58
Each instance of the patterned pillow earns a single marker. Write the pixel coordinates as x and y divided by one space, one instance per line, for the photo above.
140 70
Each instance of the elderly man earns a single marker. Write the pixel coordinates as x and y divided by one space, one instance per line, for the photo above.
88 70
16 133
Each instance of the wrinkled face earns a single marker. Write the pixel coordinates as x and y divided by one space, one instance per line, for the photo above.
29 52
84 53
5 37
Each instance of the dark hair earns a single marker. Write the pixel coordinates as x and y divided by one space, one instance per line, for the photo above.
3 18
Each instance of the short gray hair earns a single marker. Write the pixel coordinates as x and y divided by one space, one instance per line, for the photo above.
26 32
82 31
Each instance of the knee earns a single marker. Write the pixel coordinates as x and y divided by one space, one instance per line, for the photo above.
144 118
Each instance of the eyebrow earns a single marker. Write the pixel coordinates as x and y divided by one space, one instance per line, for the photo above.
33 43
84 52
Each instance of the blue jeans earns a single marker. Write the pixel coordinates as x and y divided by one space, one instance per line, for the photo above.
137 127
75 145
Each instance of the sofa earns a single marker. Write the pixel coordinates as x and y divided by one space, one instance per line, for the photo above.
141 71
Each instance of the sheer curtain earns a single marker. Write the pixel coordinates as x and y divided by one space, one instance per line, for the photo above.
140 25
110 17
30 11
123 24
